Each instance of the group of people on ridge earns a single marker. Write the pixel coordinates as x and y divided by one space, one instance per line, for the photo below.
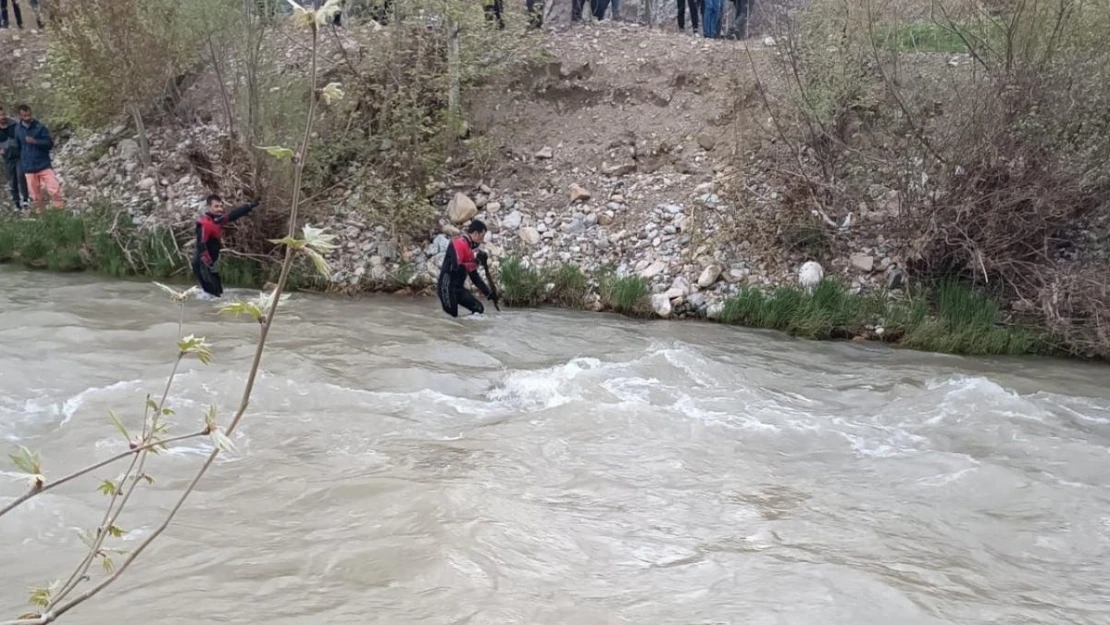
710 13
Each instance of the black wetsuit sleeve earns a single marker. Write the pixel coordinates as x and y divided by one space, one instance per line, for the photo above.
240 212
476 278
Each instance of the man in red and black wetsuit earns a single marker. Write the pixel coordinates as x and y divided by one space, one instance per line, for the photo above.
461 261
210 232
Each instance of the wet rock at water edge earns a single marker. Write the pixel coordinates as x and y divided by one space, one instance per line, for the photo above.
661 305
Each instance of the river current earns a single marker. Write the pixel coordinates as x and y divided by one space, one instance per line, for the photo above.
547 467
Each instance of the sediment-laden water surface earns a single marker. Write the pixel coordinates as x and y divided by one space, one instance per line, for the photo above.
543 467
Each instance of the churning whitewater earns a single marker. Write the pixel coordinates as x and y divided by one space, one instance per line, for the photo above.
400 467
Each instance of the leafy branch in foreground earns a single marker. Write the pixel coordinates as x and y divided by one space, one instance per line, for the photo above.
55 600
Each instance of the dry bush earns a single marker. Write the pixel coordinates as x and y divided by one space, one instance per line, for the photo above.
982 136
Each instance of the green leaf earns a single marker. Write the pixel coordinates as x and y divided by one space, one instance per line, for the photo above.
87 538
327 13
109 566
119 425
178 296
242 308
197 346
41 596
167 412
108 487
219 439
278 152
332 93
318 239
289 241
27 461
151 404
319 263
115 532
210 420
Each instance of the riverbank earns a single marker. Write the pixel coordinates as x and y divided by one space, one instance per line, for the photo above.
947 318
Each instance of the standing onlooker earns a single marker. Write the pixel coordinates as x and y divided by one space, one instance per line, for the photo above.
18 13
694 12
35 145
9 146
711 18
739 28
575 10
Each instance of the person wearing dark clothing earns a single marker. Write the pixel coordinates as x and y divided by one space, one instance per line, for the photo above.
739 28
712 12
695 11
9 146
35 144
210 232
576 10
493 10
535 14
18 13
459 262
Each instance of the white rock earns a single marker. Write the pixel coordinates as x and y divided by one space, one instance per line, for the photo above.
709 276
512 221
530 235
147 183
578 193
661 304
653 270
461 209
715 310
810 275
128 149
545 153
863 262
675 293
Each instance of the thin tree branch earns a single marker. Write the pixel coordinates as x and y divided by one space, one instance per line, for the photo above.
89 469
52 615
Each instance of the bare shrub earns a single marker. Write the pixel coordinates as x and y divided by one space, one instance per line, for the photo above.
979 136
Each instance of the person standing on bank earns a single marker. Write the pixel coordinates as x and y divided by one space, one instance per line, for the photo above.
35 145
459 262
210 233
9 147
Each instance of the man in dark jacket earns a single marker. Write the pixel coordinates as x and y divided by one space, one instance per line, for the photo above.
210 232
9 147
35 144
460 262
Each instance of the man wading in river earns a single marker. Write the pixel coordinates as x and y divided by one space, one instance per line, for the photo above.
460 261
210 232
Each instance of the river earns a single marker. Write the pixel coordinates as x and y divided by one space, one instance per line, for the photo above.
549 467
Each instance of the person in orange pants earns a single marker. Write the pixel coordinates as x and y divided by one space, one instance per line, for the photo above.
35 144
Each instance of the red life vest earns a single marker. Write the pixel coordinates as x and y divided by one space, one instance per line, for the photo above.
465 255
210 230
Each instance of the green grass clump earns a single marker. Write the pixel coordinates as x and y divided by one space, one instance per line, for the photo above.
938 38
569 286
951 318
100 240
520 285
627 295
